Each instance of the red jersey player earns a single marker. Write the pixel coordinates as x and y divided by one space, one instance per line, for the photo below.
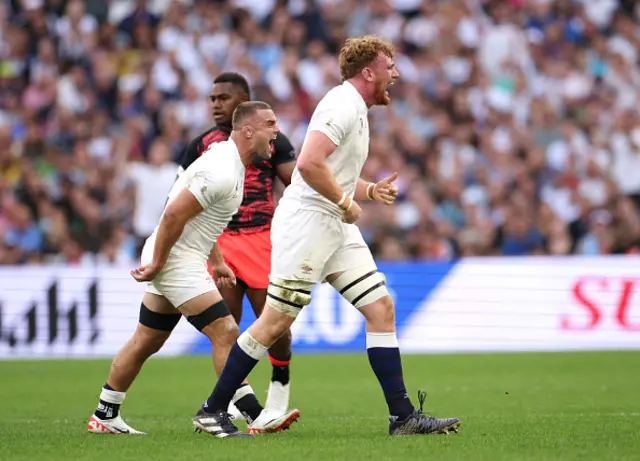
246 242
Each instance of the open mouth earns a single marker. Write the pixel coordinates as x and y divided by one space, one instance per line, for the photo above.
388 90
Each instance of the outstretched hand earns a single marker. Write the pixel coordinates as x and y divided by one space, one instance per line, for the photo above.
385 191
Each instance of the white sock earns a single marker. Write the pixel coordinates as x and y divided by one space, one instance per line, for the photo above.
251 347
242 392
114 397
386 340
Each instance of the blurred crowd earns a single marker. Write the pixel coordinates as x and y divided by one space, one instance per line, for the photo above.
515 127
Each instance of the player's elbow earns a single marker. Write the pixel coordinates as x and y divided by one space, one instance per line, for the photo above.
307 166
171 217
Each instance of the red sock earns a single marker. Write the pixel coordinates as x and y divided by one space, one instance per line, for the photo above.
279 363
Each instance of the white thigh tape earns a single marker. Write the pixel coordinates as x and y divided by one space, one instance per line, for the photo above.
289 297
362 285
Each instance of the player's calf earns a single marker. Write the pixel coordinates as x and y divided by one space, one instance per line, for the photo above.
218 325
285 301
279 356
365 288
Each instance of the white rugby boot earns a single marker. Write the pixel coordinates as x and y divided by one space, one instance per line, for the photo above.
268 421
113 426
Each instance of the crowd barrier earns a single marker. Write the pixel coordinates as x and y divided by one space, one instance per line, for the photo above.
472 305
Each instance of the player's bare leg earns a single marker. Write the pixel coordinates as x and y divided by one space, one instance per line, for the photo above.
209 314
285 301
364 287
280 358
157 319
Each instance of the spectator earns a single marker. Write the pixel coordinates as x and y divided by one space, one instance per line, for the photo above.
153 181
515 127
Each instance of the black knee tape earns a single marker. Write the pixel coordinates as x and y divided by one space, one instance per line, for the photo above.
163 322
215 312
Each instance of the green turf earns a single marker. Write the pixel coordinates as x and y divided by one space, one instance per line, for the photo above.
578 406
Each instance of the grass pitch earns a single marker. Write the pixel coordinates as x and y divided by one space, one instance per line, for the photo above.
577 406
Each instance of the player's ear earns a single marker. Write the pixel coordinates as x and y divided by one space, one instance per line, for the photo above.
367 73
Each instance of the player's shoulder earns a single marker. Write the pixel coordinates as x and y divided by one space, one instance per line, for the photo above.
220 153
219 165
197 140
339 99
214 135
336 94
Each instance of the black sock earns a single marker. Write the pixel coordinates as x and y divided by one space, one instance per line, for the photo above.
107 410
239 365
280 372
387 365
249 405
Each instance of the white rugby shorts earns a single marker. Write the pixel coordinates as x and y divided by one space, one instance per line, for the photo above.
309 245
182 278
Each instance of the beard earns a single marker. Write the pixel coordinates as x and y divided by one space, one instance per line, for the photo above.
381 95
263 153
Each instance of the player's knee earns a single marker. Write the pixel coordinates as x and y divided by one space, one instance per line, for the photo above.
288 297
387 310
147 341
380 314
153 331
226 332
155 343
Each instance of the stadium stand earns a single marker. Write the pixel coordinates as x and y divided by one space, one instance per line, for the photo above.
515 128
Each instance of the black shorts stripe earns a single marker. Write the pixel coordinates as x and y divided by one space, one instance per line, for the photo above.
379 284
297 306
355 282
297 290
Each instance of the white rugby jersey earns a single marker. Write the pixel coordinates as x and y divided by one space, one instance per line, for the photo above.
342 116
216 179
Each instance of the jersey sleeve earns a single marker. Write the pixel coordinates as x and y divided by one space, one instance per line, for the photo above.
208 187
334 119
283 150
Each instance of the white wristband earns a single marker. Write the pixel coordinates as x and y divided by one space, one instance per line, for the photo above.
371 190
344 197
349 207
